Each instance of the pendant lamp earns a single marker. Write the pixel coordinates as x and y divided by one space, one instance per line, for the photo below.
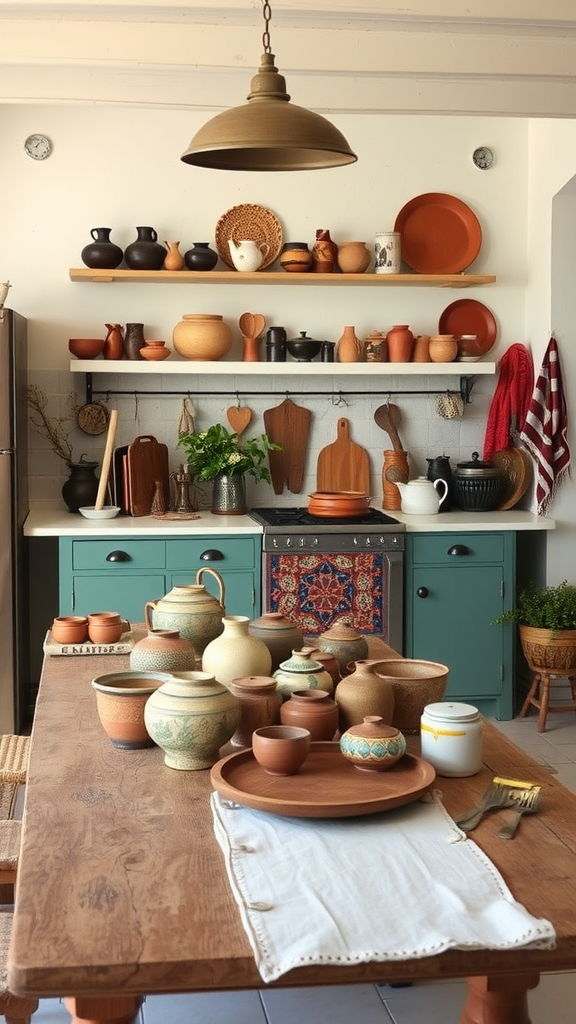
268 133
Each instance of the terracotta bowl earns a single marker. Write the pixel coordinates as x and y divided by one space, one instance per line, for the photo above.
86 348
70 629
338 503
120 701
155 353
105 627
281 749
415 683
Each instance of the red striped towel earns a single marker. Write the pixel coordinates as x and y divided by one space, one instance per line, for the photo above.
545 429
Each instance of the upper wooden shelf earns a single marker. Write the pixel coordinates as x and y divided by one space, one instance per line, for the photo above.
282 278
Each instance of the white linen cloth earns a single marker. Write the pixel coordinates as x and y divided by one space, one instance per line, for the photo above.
397 885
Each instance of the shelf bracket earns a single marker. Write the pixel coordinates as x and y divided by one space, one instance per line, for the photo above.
89 391
466 385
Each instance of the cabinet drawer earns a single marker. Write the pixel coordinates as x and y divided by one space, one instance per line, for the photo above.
128 554
216 552
433 549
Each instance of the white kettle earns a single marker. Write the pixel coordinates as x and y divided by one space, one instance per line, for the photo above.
421 497
247 255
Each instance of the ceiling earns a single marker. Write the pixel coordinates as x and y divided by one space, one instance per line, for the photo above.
502 57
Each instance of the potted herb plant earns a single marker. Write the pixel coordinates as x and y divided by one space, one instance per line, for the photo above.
546 620
217 454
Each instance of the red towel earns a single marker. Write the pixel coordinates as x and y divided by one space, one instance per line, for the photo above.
511 400
545 429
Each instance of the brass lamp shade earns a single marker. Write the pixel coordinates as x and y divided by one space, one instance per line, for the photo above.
268 133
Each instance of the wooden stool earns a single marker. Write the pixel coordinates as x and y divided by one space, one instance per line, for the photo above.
10 838
14 752
539 695
16 1009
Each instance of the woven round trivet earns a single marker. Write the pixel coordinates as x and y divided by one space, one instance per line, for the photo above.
255 223
92 418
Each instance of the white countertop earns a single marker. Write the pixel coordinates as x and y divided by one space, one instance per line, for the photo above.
57 522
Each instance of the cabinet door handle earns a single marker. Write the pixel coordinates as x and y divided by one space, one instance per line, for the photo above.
211 555
422 592
458 549
118 556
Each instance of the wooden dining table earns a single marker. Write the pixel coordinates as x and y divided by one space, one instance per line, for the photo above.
122 889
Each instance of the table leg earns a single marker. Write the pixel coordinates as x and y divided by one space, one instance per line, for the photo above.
499 999
103 1009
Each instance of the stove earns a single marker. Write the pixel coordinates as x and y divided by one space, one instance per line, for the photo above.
297 528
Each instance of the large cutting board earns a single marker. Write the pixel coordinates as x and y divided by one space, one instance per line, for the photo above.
343 465
147 463
288 425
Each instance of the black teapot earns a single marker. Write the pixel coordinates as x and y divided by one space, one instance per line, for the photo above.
439 469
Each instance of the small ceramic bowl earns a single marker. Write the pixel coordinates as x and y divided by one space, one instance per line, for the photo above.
86 348
70 629
154 353
105 627
281 749
120 701
107 512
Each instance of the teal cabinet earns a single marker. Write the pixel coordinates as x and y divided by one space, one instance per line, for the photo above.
456 585
123 573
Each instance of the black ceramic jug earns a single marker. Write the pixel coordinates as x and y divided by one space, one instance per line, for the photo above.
440 469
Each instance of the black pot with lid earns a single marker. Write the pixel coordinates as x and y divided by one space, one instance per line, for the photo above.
476 485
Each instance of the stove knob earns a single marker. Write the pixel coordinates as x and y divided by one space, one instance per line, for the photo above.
301 542
274 542
314 542
288 542
355 541
368 542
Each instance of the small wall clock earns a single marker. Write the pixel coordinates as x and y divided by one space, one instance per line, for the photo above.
38 147
483 157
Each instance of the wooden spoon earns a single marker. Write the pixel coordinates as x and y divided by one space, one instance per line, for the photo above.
389 418
252 325
112 424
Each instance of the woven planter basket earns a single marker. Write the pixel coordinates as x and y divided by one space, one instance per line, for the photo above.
550 649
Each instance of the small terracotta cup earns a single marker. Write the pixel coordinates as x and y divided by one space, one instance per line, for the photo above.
70 629
281 749
105 627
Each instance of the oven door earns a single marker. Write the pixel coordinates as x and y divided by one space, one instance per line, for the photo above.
316 588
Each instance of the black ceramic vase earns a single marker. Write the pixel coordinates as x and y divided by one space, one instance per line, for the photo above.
133 341
145 253
102 254
201 257
81 487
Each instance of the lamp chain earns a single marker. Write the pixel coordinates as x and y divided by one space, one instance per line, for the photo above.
267 12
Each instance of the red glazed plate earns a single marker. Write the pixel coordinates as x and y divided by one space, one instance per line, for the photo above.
468 316
439 234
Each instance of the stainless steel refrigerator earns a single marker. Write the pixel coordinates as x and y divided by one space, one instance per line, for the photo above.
14 683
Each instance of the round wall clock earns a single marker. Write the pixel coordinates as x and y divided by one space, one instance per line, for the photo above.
483 157
38 147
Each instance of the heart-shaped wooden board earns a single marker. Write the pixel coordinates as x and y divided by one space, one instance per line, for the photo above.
239 417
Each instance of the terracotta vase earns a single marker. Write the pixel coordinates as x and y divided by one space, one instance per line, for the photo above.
399 344
373 745
145 253
280 635
296 258
113 342
421 350
201 257
202 336
300 672
362 693
344 642
133 341
324 253
235 653
259 703
190 609
101 253
353 257
163 650
394 470
81 487
190 717
174 259
313 710
348 347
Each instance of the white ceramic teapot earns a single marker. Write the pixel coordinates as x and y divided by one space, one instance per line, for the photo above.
247 255
421 497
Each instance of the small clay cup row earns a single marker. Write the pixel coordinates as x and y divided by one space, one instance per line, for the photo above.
99 627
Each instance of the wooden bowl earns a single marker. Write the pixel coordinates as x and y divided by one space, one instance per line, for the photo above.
86 348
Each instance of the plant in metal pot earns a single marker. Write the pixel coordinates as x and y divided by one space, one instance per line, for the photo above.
218 452
546 619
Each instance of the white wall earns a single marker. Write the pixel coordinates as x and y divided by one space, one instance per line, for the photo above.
120 167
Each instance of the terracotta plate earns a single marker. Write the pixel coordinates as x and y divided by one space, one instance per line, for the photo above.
439 234
327 785
468 316
249 221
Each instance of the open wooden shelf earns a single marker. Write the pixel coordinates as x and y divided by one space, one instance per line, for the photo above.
266 277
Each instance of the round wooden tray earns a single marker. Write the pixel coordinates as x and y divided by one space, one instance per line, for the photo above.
327 785
515 469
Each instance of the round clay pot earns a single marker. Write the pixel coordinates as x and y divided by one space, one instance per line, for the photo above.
344 643
105 627
201 257
364 692
235 652
399 344
296 258
415 683
281 749
443 348
300 672
353 257
70 629
372 745
280 635
336 504
202 336
191 716
259 706
313 710
328 661
163 650
120 701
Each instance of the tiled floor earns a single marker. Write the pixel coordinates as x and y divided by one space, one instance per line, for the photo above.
437 1003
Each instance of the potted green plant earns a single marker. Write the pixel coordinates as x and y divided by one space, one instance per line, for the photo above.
219 455
546 620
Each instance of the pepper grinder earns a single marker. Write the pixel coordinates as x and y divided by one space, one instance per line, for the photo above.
182 481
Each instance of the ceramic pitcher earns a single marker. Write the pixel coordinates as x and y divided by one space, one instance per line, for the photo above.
190 609
422 497
247 255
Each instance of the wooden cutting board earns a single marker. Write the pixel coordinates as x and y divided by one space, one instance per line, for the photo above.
343 465
288 425
147 463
